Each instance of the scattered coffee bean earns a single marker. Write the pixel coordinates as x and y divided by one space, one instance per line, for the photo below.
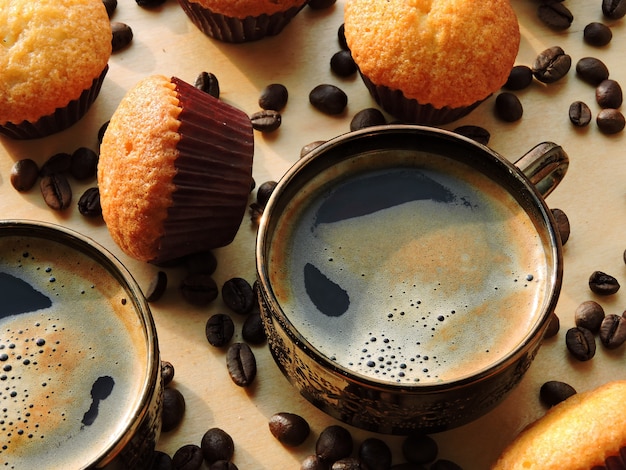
188 457
341 37
241 364
609 94
208 82
590 315
266 120
562 224
310 146
256 211
216 445
59 163
419 448
597 34
321 4
56 191
603 284
313 462
223 465
149 3
580 343
375 454
219 329
508 107
83 163
110 6
157 286
443 464
554 325
334 443
579 114
367 117
167 372
328 99
203 262
102 130
274 97
252 330
592 70
610 121
520 77
614 9
289 428
551 65
555 15
238 295
24 174
477 133
89 203
199 289
554 392
173 408
347 463
613 331
122 35
161 461
265 191
342 63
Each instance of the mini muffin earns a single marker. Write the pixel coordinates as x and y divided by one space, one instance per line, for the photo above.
241 20
54 58
175 171
432 61
587 430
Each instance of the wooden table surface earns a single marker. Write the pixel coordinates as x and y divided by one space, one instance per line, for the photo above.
592 195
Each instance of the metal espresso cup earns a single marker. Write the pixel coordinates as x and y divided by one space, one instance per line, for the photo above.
81 380
386 267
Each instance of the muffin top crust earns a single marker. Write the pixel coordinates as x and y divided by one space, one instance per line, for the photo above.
50 52
442 52
244 8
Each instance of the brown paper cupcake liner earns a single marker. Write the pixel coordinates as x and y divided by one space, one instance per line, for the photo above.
237 30
214 175
60 119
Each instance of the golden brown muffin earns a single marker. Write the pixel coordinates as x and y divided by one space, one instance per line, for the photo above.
583 431
442 54
175 170
54 57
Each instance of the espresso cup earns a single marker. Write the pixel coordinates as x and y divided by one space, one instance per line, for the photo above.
407 275
80 372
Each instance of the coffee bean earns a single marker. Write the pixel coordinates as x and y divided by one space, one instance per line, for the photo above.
256 211
476 133
310 146
266 120
580 343
609 94
173 409
102 130
613 331
610 121
274 97
161 461
110 6
603 284
252 330
187 457
321 4
579 114
24 174
520 77
342 63
83 163
347 463
419 448
222 465
238 295
367 117
592 70
56 191
341 37
289 428
59 163
265 191
554 325
203 262
313 462
614 9
555 15
89 203
443 464
554 392
157 286
122 35
149 3
334 443
219 329
217 444
562 224
375 454
167 372
597 34
590 315
241 364
328 99
208 82
551 65
508 107
199 289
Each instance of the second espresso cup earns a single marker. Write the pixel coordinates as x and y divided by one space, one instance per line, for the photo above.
407 275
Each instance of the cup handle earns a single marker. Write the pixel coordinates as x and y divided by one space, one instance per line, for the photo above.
545 166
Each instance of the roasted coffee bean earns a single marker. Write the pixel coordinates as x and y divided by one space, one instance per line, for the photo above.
592 70
289 428
238 295
375 454
161 461
274 97
173 408
580 343
102 130
328 99
188 457
554 392
610 121
122 35
24 174
579 114
217 444
222 465
614 9
341 36
443 464
342 63
266 120
208 82
310 146
590 315
508 107
219 329
313 462
476 133
157 286
89 203
265 191
602 283
241 364
520 77
419 448
609 94
367 117
56 191
554 325
167 372
551 65
597 34
562 224
203 262
59 163
321 4
613 331
252 330
149 3
83 163
347 463
256 211
199 289
555 15
334 443
110 6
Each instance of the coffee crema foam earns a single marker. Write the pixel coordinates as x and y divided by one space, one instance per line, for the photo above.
72 366
421 274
